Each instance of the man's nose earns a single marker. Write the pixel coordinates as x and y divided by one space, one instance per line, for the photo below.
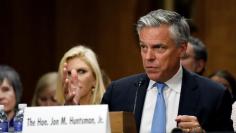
150 55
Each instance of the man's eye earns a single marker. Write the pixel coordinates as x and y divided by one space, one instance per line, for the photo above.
160 48
142 46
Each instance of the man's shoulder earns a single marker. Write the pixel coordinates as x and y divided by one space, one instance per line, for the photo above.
133 78
204 82
123 88
130 81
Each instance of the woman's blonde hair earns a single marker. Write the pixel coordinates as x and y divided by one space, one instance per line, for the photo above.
89 57
45 81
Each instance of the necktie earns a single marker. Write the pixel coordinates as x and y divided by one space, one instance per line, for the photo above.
159 117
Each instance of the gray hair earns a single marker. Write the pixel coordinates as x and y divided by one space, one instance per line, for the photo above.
199 48
6 72
179 27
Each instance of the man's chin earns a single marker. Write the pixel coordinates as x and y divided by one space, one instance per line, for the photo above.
154 76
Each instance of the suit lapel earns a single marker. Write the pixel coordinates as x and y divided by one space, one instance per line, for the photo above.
189 95
188 98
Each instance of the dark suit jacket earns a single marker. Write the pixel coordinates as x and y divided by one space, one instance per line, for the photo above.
206 100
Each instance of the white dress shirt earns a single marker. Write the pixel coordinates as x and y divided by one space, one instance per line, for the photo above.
233 115
171 96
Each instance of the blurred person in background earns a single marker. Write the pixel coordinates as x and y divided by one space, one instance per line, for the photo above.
45 91
195 58
80 77
106 79
10 91
228 81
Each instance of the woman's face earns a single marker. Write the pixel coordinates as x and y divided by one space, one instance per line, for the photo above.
47 97
7 96
86 79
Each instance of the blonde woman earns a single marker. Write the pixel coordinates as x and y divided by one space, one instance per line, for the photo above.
80 79
44 94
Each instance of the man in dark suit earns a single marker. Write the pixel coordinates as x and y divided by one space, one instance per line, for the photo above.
191 102
195 58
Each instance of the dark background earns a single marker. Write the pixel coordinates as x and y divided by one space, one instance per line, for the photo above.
34 34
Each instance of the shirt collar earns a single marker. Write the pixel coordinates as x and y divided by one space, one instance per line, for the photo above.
175 82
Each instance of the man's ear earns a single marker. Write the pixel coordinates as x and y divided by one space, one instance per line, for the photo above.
183 48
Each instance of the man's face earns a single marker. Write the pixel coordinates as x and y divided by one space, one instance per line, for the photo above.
188 60
160 55
190 63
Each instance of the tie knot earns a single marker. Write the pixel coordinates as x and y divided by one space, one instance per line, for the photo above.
160 87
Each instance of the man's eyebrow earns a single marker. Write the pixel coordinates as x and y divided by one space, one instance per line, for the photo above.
158 45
